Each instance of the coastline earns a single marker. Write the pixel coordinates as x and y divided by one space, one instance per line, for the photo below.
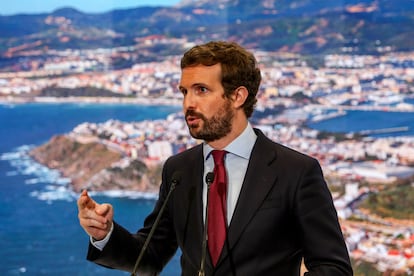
56 191
341 110
93 100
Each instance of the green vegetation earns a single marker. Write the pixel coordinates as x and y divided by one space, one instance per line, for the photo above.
367 269
135 170
340 189
363 268
396 202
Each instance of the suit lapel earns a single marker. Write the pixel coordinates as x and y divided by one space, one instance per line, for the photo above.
198 202
258 182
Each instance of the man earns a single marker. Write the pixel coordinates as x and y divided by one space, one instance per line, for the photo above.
277 207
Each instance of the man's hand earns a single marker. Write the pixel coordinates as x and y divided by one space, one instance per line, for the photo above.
96 219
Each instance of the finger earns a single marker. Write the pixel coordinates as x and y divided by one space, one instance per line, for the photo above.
95 229
83 198
85 201
91 214
93 223
106 211
103 209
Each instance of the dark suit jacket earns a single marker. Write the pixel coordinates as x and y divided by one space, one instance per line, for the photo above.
284 212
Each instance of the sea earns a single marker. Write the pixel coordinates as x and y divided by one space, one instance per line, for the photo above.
39 229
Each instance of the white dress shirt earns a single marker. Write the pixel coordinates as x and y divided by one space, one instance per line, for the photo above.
236 162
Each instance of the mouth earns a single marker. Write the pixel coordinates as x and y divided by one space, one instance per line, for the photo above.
193 118
192 121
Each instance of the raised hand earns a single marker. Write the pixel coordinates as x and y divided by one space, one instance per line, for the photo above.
96 219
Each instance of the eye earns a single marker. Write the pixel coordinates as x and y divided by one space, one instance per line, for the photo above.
201 90
183 91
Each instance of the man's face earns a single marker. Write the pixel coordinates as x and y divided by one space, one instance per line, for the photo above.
208 114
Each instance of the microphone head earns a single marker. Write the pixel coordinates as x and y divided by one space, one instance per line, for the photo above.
176 177
210 177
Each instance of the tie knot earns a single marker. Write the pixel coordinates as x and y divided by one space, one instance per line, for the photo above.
218 156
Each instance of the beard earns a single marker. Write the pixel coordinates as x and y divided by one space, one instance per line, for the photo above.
214 128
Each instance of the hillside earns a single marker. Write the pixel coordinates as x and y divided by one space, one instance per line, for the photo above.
301 26
395 202
94 167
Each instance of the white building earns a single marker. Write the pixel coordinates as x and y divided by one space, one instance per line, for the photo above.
160 150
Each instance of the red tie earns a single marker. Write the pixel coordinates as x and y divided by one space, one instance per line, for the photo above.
217 207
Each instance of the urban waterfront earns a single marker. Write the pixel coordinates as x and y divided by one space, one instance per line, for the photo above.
40 229
339 89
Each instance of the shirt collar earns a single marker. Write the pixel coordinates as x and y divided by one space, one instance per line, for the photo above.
241 146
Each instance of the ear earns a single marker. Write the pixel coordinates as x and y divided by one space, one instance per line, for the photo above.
239 96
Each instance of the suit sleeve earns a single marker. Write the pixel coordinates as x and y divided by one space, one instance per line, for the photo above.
123 247
325 251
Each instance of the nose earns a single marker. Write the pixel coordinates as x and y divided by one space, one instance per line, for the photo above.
189 101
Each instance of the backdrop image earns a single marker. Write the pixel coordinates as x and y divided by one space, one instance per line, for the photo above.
89 100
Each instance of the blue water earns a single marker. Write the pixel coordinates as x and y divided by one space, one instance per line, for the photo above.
39 230
356 121
39 235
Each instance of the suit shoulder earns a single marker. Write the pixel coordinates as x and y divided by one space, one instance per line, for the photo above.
283 151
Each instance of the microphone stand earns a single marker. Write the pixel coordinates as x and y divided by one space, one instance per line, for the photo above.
201 272
175 180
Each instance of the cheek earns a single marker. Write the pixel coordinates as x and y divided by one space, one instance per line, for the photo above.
210 110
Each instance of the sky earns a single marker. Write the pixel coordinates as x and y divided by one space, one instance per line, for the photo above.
12 7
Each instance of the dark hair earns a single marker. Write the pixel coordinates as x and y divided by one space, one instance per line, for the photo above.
238 66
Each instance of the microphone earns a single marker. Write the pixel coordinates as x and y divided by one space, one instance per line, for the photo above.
175 180
209 180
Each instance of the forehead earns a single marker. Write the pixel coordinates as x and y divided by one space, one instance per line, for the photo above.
200 74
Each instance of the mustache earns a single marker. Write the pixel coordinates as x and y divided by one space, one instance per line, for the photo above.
194 113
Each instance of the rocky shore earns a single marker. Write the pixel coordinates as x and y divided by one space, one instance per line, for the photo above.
95 167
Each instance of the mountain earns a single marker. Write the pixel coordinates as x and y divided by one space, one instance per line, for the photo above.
303 26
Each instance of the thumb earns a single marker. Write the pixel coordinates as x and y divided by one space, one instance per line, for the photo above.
105 210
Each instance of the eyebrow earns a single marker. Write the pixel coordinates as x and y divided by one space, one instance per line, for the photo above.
182 89
195 85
